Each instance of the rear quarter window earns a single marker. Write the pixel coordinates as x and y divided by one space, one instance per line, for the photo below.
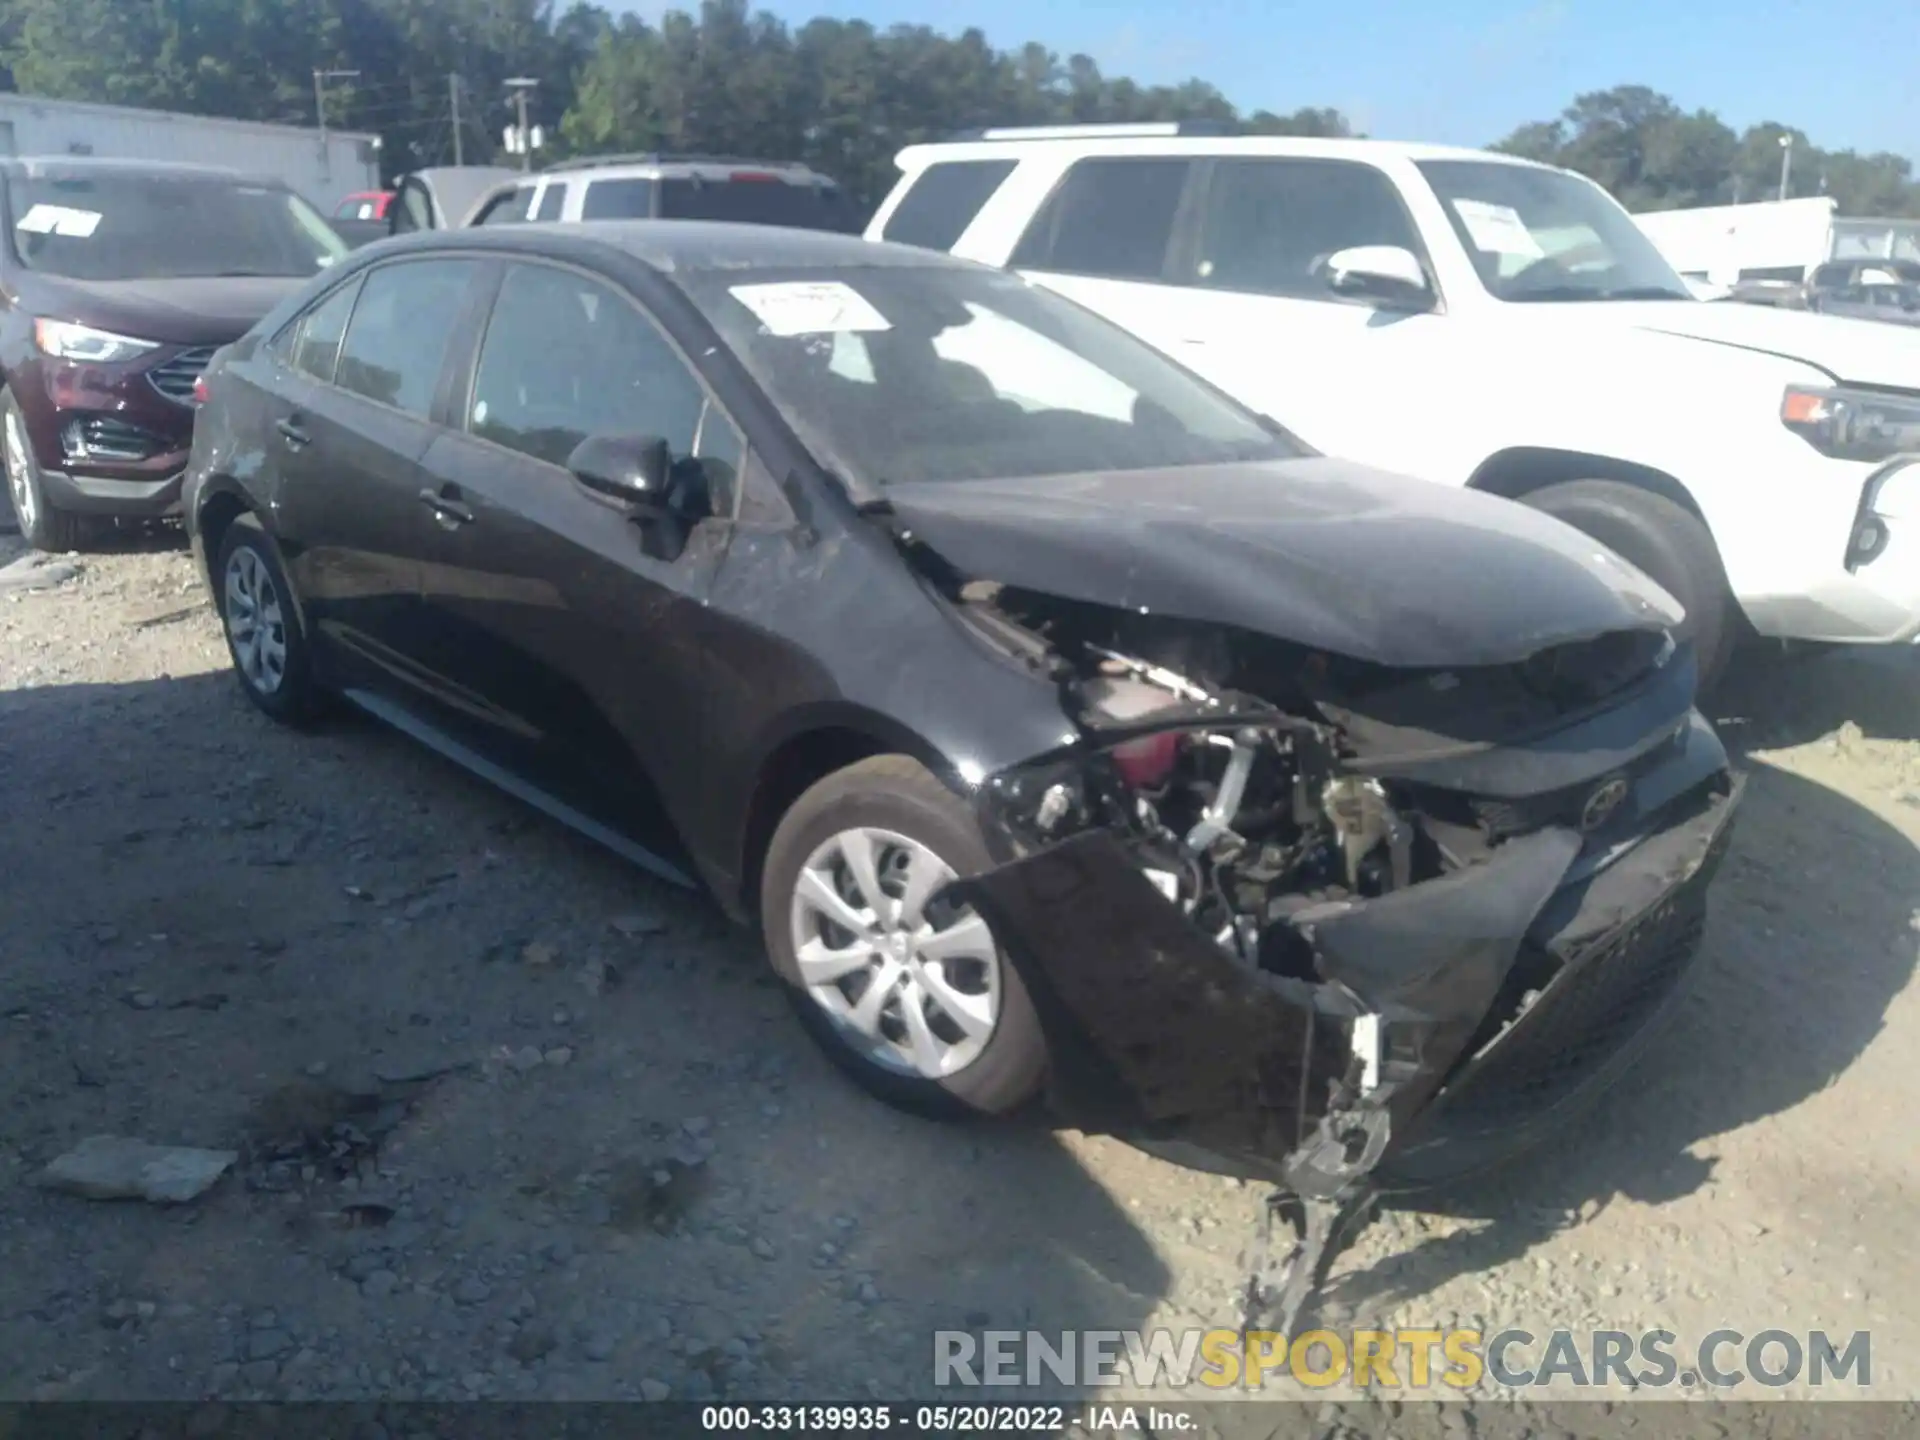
942 201
757 202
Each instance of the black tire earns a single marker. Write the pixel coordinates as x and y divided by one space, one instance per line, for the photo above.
41 526
1671 544
896 793
295 697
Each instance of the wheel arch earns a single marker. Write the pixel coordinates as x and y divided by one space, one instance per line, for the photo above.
221 502
1522 470
803 757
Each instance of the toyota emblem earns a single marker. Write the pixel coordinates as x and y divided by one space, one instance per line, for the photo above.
1601 804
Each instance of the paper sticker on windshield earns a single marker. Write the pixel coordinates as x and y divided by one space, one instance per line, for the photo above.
810 307
1498 228
59 220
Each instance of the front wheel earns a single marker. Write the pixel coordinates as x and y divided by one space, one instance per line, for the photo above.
906 990
41 526
1669 543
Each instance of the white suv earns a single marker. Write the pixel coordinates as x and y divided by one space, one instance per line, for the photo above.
1479 320
672 187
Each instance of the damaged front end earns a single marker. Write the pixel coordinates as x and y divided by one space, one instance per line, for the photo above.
1334 925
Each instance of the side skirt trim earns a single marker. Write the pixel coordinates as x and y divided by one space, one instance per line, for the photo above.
446 746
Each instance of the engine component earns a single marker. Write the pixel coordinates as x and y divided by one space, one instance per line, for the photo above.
1217 820
1363 817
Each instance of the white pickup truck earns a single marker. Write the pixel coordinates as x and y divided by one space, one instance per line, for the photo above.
1479 320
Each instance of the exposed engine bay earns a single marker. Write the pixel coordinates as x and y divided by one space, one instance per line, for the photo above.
1246 771
1363 851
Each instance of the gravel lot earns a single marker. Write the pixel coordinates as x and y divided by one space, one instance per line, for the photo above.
601 1161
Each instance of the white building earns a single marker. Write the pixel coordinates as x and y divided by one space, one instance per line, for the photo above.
349 161
1772 240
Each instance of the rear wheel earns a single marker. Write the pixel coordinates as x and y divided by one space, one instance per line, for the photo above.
264 637
41 526
906 990
1671 544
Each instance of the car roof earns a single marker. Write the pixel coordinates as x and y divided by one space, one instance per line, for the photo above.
1093 144
651 166
37 167
687 246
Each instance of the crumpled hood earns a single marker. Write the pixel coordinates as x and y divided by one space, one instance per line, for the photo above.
197 310
1322 552
1863 352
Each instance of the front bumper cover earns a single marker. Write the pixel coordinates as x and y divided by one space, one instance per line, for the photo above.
1160 1036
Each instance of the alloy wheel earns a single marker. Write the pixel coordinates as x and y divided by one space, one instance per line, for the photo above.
20 476
909 977
256 621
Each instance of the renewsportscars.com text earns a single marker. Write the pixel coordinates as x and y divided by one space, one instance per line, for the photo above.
1402 1359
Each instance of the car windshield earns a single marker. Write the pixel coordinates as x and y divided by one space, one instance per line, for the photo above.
1545 235
910 373
141 227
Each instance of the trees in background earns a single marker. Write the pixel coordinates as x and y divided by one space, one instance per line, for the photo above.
724 79
1655 156
838 94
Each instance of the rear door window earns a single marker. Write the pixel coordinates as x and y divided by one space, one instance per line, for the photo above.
623 199
553 200
397 340
1267 227
316 345
1107 217
942 201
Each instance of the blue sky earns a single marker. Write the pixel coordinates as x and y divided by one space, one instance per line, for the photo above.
1469 71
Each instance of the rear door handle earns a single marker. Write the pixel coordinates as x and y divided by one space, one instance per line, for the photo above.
292 433
448 511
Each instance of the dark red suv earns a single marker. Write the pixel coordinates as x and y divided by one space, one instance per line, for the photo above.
118 281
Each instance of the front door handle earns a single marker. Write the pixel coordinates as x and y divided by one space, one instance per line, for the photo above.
448 511
292 433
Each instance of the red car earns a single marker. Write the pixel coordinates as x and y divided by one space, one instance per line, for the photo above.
364 205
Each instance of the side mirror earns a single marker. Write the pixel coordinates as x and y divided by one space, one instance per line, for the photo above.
1387 273
637 469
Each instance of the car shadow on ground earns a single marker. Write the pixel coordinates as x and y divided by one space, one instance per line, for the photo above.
1770 699
191 815
1810 938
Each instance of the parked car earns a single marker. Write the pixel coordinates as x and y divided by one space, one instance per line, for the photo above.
361 232
442 197
1053 715
118 279
364 205
672 187
1480 320
1886 290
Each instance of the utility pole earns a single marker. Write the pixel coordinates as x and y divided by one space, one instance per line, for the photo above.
520 87
320 79
1786 163
453 93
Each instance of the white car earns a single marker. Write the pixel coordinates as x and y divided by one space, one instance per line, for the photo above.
1479 320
